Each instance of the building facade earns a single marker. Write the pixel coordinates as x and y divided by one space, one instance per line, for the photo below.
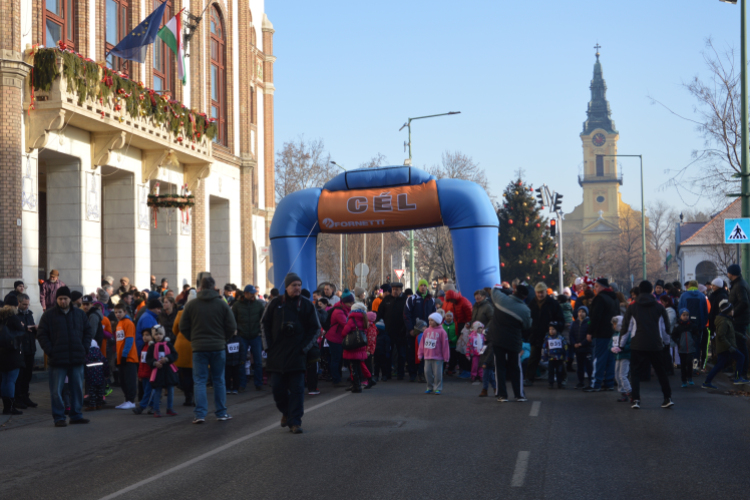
77 170
600 213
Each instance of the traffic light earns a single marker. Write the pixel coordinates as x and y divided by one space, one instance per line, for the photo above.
557 204
553 227
540 195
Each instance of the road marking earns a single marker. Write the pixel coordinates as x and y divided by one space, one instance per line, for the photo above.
213 452
535 409
522 463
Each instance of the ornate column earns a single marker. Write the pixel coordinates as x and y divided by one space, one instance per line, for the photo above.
247 167
268 145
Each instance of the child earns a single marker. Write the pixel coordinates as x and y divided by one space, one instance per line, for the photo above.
232 365
450 329
96 373
382 353
473 348
434 350
144 375
555 350
487 361
582 347
161 357
127 356
356 357
622 361
567 310
372 339
726 345
687 336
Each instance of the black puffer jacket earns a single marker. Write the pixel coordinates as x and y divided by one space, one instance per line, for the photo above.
511 317
651 320
715 299
391 311
541 316
603 308
65 338
29 337
11 342
288 326
739 296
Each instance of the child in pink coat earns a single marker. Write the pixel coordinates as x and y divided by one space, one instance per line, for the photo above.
474 351
357 368
435 350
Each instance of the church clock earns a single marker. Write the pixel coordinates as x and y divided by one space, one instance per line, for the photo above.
599 140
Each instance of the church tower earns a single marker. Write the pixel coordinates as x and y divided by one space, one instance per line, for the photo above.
599 214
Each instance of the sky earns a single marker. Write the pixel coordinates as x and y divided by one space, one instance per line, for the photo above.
352 72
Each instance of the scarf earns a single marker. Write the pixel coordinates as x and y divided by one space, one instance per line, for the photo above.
155 370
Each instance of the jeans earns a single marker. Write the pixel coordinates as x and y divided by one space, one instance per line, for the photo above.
202 362
510 362
75 382
433 371
8 383
488 377
256 348
639 360
585 367
622 368
148 394
156 399
337 353
555 368
604 366
289 394
721 362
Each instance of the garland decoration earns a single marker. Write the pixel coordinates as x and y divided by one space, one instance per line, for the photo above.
183 201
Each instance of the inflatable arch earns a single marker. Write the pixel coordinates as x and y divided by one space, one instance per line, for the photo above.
385 199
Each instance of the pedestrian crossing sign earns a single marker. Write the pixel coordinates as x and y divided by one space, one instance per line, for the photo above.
736 231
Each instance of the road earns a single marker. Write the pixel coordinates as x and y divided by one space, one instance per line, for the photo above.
392 442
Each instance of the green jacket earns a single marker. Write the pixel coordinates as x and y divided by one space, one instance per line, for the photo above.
724 334
207 322
248 314
451 331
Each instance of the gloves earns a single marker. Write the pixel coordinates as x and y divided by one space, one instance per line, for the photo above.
616 350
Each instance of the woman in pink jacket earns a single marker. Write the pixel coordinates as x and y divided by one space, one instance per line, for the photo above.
339 314
435 350
356 357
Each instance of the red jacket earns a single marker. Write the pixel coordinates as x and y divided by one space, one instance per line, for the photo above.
144 370
339 313
458 305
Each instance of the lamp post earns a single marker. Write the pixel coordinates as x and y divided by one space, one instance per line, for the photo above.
345 239
412 276
643 212
745 171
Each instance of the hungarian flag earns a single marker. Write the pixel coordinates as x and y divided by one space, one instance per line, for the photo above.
669 257
171 34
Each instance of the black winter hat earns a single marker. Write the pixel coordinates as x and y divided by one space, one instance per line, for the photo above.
155 304
291 278
63 291
11 300
645 287
75 295
603 281
386 288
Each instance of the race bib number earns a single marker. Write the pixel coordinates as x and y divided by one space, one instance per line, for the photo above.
120 335
161 354
430 343
234 347
143 356
477 343
555 344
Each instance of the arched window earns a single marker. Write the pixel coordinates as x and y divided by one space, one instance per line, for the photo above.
116 28
59 22
706 271
218 76
164 63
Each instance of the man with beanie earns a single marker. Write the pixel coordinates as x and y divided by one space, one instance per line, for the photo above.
739 297
64 333
418 306
248 311
511 318
289 325
391 311
718 293
647 341
544 310
208 323
48 290
604 307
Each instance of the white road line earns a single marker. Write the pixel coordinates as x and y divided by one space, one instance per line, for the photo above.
535 409
215 452
522 463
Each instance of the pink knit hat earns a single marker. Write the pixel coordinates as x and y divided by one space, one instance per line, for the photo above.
371 316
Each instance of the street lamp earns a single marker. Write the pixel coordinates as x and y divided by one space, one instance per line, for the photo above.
643 212
342 238
408 163
745 173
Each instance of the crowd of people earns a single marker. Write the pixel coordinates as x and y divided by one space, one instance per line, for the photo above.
150 341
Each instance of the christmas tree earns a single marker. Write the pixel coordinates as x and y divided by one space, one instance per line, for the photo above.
527 251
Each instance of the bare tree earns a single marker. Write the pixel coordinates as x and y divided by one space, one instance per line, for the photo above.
376 161
302 164
456 165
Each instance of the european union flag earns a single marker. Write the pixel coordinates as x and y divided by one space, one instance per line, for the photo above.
133 47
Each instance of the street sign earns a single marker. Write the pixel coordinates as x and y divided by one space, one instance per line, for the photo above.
361 269
736 231
399 273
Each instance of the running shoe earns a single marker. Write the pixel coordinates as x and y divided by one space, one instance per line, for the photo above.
740 381
667 403
171 413
127 405
502 399
224 418
521 400
684 385
428 391
636 404
313 393
437 393
199 420
708 385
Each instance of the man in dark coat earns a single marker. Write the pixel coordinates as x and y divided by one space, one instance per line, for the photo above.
247 312
718 293
739 297
604 307
544 309
28 349
289 325
65 334
647 341
511 317
391 311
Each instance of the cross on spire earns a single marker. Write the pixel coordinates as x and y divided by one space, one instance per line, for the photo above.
597 47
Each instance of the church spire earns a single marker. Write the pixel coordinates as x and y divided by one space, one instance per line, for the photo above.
598 112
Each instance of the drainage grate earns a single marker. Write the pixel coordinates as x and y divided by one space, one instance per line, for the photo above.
376 423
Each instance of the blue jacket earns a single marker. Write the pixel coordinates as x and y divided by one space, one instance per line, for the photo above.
418 307
148 320
695 302
578 332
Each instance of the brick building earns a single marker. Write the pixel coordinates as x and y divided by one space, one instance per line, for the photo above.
76 173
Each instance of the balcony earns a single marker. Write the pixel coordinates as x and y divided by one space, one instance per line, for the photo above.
587 178
71 90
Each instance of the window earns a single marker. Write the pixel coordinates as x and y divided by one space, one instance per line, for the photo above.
59 16
218 76
599 165
252 104
116 28
164 62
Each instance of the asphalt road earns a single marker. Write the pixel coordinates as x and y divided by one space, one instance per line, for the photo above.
392 442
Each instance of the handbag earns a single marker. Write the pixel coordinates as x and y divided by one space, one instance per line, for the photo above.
355 339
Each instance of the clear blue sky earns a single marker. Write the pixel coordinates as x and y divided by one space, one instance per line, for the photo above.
351 72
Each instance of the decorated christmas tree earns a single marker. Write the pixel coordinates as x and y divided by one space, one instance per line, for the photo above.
526 249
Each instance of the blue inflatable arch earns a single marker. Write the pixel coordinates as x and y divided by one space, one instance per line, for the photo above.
464 207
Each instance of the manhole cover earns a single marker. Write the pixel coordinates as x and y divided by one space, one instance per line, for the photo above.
376 423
